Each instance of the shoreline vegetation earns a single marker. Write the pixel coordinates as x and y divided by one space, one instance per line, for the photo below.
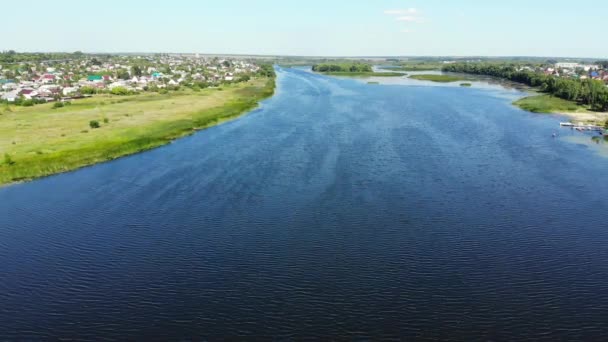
352 70
582 100
41 141
422 66
437 78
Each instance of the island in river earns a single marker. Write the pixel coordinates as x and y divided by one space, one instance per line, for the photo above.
355 69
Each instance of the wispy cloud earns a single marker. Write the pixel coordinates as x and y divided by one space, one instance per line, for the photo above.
411 19
401 11
408 15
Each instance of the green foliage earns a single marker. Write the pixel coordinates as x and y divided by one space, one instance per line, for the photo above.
27 103
244 78
88 90
421 66
58 105
267 70
94 124
437 78
123 74
342 67
588 92
136 70
121 91
465 84
8 160
546 104
106 120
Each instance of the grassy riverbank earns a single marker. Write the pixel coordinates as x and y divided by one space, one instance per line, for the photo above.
40 141
364 74
554 105
547 104
437 78
414 67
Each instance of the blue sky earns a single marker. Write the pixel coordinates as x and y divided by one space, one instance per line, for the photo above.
314 27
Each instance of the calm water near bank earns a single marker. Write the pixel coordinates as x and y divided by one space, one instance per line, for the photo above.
338 208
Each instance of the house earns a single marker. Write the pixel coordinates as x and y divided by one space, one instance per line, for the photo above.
566 65
47 79
10 96
28 93
69 90
94 78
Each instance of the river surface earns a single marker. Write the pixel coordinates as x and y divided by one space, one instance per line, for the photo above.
336 209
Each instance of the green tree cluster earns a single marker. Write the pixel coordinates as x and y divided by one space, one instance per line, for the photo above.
588 92
342 67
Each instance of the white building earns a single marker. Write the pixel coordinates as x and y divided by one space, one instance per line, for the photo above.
566 65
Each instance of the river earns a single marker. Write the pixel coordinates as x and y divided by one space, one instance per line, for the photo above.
336 209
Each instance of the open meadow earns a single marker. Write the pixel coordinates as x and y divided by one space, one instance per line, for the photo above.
42 140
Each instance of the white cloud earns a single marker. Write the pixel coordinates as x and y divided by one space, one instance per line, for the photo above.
409 15
411 19
407 31
401 11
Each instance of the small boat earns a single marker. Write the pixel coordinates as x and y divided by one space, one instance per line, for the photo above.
566 124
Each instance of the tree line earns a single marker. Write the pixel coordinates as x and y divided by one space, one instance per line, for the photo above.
589 92
342 67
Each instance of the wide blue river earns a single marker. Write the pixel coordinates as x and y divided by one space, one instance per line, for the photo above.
338 209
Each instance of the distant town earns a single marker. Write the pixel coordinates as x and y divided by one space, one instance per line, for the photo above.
28 82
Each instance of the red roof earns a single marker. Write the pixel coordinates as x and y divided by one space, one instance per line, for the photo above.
26 91
49 77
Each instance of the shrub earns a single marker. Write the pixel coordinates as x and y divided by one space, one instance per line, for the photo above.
106 120
8 160
58 105
94 124
119 91
88 91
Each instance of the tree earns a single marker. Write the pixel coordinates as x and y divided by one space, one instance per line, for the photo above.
603 64
123 74
88 90
94 124
136 70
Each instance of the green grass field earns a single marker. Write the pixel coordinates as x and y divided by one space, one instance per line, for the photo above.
548 104
41 141
437 78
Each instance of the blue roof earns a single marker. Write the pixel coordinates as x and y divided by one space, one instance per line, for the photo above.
594 74
6 81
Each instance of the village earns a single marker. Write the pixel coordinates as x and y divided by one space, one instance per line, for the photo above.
578 71
29 83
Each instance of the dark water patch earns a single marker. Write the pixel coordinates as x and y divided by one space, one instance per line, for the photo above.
335 210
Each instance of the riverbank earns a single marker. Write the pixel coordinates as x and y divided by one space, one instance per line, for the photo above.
438 78
364 74
40 141
549 104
